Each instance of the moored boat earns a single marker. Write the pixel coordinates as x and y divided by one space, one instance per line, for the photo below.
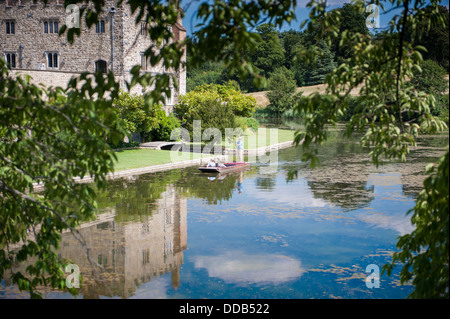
228 167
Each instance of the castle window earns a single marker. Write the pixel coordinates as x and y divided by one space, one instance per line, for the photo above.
102 260
52 60
145 257
100 66
10 27
100 26
144 28
144 62
11 59
50 26
168 98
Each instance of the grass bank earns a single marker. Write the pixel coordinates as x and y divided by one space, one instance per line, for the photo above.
266 137
263 137
143 157
137 158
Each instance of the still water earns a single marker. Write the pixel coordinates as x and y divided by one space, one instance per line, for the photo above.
277 230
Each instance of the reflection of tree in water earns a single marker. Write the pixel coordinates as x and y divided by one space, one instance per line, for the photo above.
213 190
348 196
341 183
429 148
341 180
342 177
267 183
135 197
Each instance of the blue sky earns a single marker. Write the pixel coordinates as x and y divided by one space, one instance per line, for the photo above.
190 7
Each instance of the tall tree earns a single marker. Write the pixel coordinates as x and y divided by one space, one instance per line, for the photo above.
290 41
282 85
268 54
323 64
210 72
351 20
430 78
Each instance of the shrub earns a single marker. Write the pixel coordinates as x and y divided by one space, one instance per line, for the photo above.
153 124
165 127
132 114
207 107
430 78
252 123
217 106
441 109
246 123
240 104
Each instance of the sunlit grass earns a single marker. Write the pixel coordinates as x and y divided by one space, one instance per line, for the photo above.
263 137
135 158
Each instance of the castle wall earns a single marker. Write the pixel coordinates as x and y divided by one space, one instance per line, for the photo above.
28 31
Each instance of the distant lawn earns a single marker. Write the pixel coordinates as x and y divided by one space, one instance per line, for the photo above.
265 137
135 158
262 138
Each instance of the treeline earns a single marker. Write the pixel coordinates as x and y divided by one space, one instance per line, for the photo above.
278 57
274 52
215 95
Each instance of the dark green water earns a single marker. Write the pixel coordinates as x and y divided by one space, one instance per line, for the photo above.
278 230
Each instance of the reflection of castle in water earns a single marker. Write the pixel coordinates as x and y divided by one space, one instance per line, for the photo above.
130 254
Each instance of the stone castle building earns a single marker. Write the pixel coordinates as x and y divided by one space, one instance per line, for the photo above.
29 42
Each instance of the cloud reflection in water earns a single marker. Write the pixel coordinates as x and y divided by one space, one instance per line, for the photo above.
238 267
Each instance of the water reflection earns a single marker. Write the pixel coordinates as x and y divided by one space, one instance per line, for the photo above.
278 230
132 253
242 268
387 188
118 256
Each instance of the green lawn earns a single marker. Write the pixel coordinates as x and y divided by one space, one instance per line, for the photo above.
135 158
263 137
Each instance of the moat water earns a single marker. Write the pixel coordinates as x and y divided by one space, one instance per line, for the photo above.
276 230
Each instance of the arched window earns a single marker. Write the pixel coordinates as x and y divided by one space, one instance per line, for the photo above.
100 66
